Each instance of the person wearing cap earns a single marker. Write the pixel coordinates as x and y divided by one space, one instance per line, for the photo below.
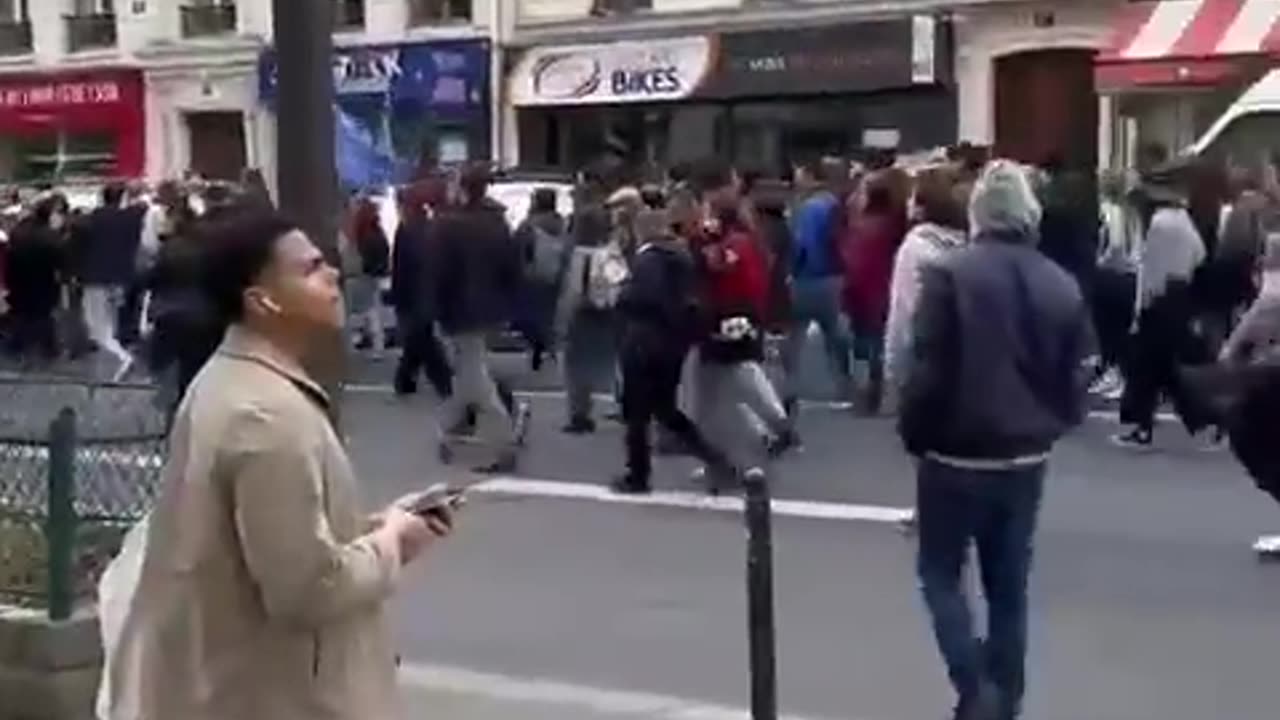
1002 355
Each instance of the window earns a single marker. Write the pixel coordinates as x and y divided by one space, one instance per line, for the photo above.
62 156
14 11
202 18
619 7
349 15
92 24
431 12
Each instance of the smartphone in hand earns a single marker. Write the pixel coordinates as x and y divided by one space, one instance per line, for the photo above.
437 501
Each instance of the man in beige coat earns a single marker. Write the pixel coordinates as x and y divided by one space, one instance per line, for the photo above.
263 584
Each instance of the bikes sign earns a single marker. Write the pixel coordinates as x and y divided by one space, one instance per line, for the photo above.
621 72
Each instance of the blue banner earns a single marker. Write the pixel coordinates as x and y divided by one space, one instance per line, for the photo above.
440 74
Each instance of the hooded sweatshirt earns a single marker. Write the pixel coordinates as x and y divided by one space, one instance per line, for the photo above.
924 245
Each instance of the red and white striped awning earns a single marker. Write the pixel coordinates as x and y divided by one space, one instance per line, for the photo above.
1188 42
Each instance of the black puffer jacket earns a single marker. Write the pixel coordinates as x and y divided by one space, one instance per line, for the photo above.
657 305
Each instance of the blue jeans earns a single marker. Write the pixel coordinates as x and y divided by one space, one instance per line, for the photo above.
817 300
996 510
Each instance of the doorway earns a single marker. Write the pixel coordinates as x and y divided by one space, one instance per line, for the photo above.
217 144
1047 106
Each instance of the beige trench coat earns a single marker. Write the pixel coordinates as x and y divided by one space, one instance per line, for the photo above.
258 597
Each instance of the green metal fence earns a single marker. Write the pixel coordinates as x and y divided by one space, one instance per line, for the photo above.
79 464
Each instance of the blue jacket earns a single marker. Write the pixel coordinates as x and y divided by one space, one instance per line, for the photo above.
1002 354
814 254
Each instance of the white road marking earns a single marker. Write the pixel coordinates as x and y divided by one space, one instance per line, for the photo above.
811 509
381 389
582 698
90 455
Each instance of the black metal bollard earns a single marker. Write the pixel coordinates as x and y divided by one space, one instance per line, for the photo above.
764 681
60 523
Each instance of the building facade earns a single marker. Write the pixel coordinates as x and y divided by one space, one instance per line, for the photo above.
155 88
776 81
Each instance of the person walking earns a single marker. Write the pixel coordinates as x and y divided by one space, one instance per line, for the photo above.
372 265
545 249
415 268
264 584
107 268
35 269
657 314
585 315
1163 338
731 384
1002 355
873 239
478 284
817 277
941 202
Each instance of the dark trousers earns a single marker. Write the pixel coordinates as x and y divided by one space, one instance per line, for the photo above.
996 511
649 385
1112 306
422 351
34 331
129 318
1163 345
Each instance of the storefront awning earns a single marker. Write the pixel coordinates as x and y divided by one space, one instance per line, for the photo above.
1188 42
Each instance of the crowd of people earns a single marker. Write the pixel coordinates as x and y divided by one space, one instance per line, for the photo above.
981 301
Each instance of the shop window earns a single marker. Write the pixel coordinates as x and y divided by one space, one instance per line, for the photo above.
435 12
349 15
62 156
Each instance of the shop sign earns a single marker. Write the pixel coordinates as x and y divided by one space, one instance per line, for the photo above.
444 73
53 95
858 57
621 72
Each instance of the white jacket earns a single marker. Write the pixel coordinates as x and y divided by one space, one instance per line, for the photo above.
925 244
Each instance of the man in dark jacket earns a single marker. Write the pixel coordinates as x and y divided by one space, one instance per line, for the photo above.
480 275
414 270
658 323
107 270
1001 361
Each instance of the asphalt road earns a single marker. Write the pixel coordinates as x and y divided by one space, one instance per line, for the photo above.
555 601
1147 602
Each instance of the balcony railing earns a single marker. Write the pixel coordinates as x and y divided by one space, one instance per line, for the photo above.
349 15
15 37
87 32
437 12
208 20
619 7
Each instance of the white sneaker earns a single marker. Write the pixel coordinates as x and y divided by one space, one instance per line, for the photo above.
1268 547
123 371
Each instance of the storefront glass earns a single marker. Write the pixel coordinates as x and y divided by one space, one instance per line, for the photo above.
405 102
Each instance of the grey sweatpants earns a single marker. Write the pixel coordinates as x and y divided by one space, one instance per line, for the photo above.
473 386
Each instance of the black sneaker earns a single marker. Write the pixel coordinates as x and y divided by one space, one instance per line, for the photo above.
579 426
780 445
628 485
506 463
1136 439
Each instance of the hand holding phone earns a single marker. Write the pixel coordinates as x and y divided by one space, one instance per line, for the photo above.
436 502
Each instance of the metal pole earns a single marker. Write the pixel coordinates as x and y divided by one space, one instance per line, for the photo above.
60 523
306 175
760 623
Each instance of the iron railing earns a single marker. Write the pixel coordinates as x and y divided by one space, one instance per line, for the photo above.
208 20
15 37
90 31
80 462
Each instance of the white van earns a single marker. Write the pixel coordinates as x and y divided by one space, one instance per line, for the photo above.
1249 130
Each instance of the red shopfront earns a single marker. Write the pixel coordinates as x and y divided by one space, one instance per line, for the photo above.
66 125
